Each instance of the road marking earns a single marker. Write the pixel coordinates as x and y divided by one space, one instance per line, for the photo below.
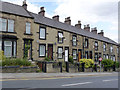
110 80
76 84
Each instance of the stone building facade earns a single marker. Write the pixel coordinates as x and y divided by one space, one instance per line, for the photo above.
26 33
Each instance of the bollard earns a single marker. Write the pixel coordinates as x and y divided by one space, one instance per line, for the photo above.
45 67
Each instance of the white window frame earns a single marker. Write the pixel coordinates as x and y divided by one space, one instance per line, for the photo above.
42 53
42 35
8 46
10 25
28 28
60 36
75 54
3 24
74 40
104 47
96 45
111 49
60 52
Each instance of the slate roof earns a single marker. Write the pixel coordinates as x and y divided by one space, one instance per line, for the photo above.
13 9
50 22
19 10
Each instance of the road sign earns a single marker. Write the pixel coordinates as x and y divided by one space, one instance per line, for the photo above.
100 59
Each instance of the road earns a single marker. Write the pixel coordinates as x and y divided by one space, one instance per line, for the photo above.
105 81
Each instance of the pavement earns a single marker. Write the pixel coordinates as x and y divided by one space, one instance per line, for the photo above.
59 80
4 76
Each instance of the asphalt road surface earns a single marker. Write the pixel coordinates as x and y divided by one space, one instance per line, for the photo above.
64 82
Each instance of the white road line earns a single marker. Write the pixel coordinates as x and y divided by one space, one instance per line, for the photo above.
110 80
76 84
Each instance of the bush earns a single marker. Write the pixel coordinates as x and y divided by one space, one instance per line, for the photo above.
88 62
116 64
2 56
107 63
16 62
47 59
71 59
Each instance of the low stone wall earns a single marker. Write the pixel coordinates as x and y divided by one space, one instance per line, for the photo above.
17 69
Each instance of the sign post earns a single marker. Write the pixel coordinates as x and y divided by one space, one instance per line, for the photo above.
100 59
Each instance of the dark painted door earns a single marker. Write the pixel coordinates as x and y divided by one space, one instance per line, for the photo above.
50 51
79 55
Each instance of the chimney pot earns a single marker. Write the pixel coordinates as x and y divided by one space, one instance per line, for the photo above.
87 27
67 20
101 33
56 17
78 25
24 5
94 30
42 11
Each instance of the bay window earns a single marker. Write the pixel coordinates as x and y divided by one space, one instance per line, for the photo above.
74 40
10 25
60 37
42 33
74 54
60 52
42 50
28 28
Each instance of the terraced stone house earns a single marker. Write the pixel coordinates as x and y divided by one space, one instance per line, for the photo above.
24 32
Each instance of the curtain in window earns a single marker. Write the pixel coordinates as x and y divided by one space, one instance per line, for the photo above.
42 50
104 47
42 33
60 35
8 48
74 40
28 27
10 25
4 24
60 51
74 54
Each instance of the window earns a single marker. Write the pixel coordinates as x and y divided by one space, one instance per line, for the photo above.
0 44
96 56
10 25
42 33
104 47
3 24
74 54
42 50
74 40
111 49
28 28
60 52
86 43
104 56
96 45
14 49
86 55
107 57
111 57
114 58
60 37
8 48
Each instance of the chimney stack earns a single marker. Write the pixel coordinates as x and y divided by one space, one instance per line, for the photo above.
42 11
78 25
67 21
94 30
56 17
101 33
87 27
24 5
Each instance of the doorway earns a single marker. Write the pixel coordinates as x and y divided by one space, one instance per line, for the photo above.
50 51
79 55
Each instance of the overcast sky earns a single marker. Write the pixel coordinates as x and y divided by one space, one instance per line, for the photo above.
102 14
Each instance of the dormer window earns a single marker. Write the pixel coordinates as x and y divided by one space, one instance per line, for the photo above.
60 37
28 28
74 40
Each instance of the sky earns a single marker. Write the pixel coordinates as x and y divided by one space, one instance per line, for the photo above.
102 14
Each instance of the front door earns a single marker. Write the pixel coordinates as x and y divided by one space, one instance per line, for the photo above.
66 54
50 51
79 55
